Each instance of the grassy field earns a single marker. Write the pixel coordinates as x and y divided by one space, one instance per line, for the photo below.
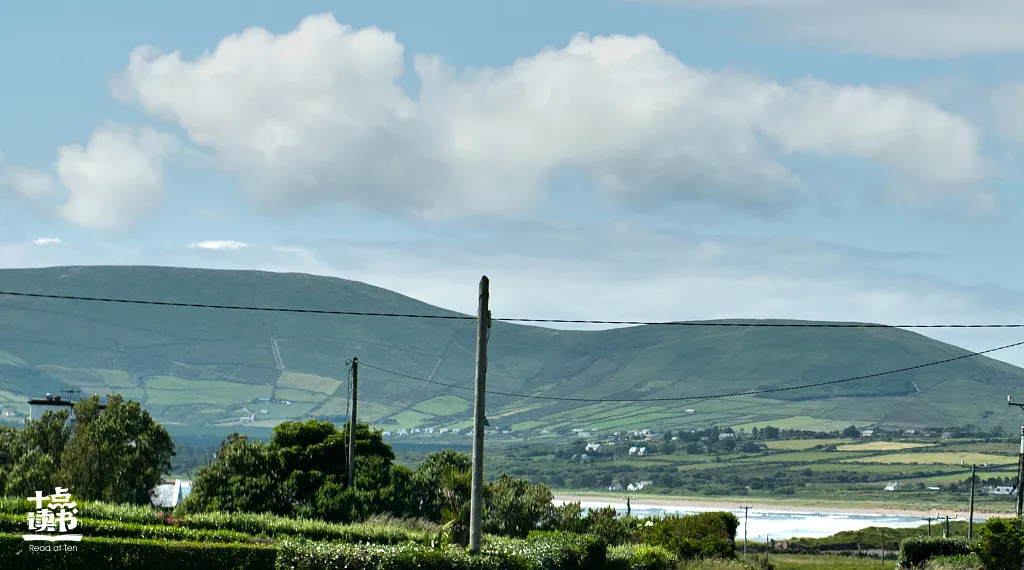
800 562
807 478
938 457
801 444
882 446
226 358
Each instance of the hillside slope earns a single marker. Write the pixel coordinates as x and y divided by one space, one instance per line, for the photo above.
204 367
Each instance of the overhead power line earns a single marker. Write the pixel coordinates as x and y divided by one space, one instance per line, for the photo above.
709 396
457 317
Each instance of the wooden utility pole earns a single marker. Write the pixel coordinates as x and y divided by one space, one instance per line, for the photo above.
1020 463
745 513
883 547
483 325
974 475
352 423
929 519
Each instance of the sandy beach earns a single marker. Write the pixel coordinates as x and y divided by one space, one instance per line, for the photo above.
666 502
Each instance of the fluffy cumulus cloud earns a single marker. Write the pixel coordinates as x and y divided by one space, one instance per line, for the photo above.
106 185
115 179
900 28
318 114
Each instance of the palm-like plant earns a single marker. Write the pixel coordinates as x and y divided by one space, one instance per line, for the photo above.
456 486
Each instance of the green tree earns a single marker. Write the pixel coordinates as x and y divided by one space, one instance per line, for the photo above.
245 476
33 471
1000 544
851 432
49 434
513 507
427 500
314 459
116 455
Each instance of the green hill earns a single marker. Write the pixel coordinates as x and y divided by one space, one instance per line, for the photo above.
207 367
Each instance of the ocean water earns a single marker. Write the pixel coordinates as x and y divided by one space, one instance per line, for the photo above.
778 524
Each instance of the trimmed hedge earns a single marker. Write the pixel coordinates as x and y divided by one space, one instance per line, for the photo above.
541 551
272 526
916 551
640 557
114 529
257 525
116 553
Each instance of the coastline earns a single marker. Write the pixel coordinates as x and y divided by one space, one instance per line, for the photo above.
663 501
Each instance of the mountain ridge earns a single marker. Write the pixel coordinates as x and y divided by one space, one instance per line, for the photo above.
205 367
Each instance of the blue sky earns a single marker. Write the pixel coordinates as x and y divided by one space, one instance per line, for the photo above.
823 159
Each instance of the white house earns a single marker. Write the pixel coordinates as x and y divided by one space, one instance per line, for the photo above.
893 486
1001 490
867 433
168 495
593 446
632 450
616 486
690 412
641 451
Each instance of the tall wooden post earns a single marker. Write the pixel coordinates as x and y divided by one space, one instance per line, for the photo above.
483 324
352 423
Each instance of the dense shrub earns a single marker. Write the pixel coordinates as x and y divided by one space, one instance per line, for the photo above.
916 551
566 551
116 553
704 535
640 557
1000 544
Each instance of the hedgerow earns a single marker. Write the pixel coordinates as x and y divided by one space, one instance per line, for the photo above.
541 551
115 553
258 525
915 551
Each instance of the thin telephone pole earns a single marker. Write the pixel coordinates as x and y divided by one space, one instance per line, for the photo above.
929 519
352 422
974 474
883 547
745 512
483 325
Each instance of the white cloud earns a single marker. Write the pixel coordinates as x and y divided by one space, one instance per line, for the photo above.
115 179
317 114
47 241
218 244
898 28
107 185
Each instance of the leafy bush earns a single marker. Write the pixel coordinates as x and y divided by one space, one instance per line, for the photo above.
640 557
566 551
916 551
1000 544
704 535
116 553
